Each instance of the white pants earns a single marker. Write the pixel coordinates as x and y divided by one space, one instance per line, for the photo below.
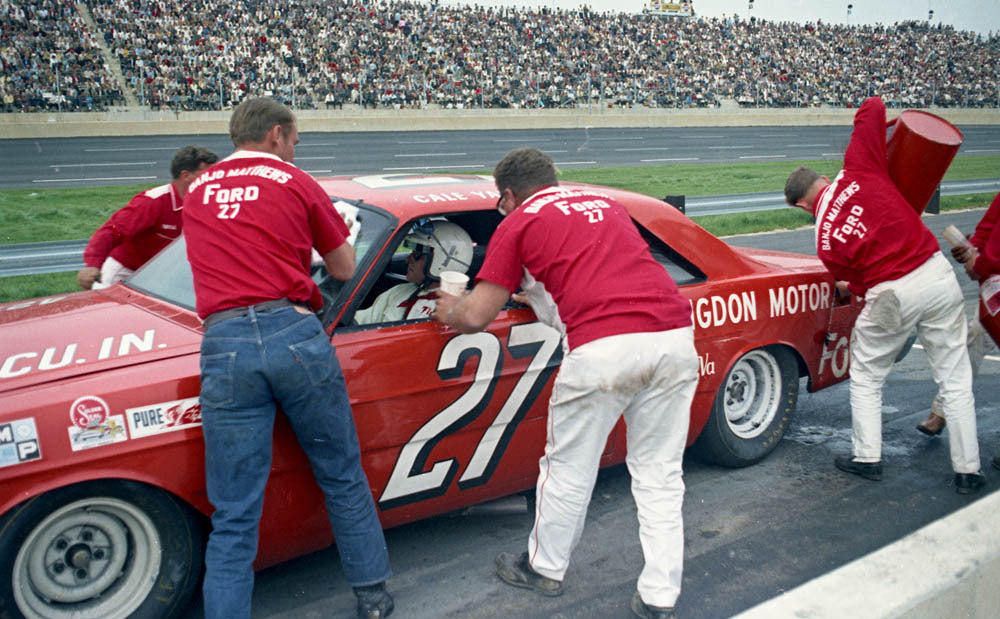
112 272
977 343
929 299
651 378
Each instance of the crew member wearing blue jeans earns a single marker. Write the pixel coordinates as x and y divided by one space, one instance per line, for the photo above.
253 223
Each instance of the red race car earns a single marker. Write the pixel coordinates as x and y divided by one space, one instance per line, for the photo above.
103 508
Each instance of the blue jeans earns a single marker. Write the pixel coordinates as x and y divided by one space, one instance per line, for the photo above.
248 365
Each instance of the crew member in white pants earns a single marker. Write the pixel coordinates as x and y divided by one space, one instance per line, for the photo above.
967 254
596 382
871 239
628 348
929 299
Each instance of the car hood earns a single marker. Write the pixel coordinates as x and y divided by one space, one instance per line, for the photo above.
59 337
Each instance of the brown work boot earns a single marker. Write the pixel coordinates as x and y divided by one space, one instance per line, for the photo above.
932 426
516 570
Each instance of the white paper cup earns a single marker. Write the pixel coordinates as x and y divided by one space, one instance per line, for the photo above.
453 282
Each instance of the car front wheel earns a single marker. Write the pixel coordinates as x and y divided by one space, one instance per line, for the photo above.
102 549
752 408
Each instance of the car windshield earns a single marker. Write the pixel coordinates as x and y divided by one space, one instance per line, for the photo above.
168 275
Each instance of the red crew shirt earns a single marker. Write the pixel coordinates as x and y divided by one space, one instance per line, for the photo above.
987 240
251 221
588 272
866 231
139 230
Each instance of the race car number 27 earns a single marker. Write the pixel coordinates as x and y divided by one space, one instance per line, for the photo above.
410 480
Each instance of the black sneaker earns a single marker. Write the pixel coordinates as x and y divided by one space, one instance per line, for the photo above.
868 470
968 483
996 462
517 571
644 610
374 602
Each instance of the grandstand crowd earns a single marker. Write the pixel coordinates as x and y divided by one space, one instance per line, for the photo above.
209 54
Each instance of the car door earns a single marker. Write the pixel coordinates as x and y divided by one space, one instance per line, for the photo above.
447 419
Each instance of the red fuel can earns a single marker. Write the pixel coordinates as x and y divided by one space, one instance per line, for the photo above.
920 150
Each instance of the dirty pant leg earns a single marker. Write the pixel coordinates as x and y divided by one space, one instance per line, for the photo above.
977 343
942 331
657 424
872 352
582 411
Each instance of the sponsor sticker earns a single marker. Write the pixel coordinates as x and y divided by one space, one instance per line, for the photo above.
155 419
93 424
19 442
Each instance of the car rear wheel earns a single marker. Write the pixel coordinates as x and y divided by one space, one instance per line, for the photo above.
99 550
751 409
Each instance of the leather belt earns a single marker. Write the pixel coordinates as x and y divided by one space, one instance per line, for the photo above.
237 312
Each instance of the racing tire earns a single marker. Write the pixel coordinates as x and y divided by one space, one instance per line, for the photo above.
751 409
102 549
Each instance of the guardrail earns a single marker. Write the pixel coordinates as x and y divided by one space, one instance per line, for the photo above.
60 256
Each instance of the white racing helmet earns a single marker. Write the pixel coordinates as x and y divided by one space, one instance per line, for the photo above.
450 247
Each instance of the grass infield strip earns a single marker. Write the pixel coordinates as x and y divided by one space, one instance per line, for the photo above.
39 215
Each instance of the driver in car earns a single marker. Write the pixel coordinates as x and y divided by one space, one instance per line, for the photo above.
438 246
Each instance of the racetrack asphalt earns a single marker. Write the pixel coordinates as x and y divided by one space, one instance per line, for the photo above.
750 534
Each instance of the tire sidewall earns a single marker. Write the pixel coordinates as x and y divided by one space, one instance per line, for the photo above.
717 442
181 539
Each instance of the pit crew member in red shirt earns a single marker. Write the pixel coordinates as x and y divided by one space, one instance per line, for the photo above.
148 223
251 223
868 236
439 246
977 341
628 348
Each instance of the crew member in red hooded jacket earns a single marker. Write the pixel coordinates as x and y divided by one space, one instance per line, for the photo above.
870 238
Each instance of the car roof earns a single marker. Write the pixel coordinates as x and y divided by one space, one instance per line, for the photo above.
409 196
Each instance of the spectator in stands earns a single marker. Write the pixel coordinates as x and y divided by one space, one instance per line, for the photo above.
400 53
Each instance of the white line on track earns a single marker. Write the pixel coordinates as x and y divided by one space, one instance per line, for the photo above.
555 151
422 142
628 150
77 180
94 165
115 150
314 158
762 156
707 136
777 135
984 150
673 159
431 155
616 139
804 145
433 167
573 162
318 171
830 154
730 147
528 139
